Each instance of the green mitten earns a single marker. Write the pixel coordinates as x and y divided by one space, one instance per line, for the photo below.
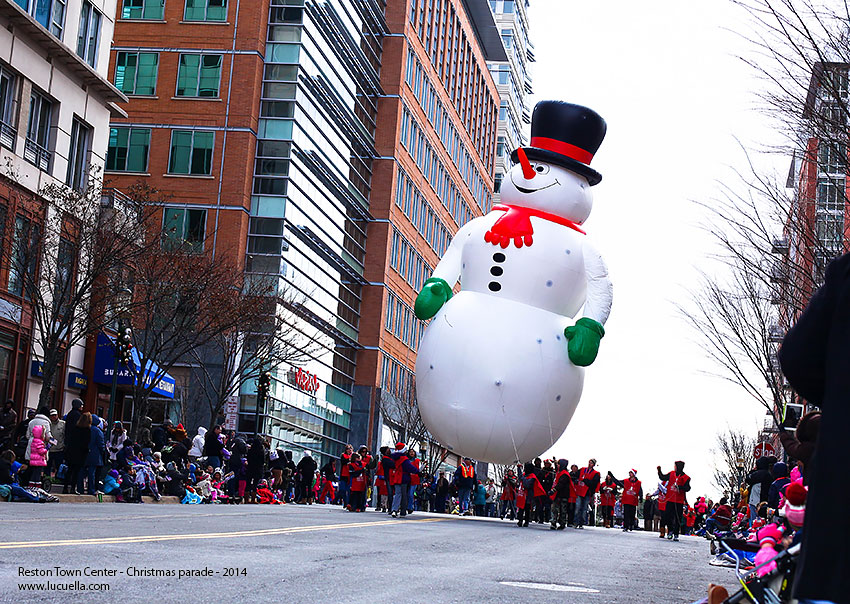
434 294
584 339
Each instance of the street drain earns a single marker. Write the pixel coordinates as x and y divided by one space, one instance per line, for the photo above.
571 587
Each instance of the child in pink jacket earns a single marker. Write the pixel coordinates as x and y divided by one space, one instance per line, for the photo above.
38 454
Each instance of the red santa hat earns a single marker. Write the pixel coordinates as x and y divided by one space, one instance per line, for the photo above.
633 471
795 503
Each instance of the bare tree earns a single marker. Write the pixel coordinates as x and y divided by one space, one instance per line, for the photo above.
265 334
181 302
776 236
63 248
733 458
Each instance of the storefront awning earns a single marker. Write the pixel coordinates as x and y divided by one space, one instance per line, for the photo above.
104 363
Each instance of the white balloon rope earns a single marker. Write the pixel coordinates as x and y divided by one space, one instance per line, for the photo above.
511 430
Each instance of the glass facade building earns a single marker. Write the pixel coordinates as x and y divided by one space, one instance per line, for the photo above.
310 202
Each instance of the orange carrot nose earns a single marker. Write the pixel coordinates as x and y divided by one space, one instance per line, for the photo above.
527 171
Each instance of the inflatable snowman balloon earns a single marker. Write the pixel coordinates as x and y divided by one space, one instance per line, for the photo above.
500 371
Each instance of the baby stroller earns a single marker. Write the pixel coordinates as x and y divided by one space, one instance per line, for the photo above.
773 588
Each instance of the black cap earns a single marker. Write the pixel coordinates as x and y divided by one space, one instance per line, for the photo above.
566 135
76 404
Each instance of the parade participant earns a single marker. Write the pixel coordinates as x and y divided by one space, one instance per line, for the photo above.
571 506
344 479
607 499
632 492
388 462
464 481
414 482
326 495
690 520
678 483
588 483
357 475
404 470
561 491
381 503
508 497
531 489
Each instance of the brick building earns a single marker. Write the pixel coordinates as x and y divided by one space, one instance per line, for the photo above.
55 107
437 141
259 120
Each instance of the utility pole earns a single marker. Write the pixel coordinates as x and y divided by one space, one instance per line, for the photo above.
264 382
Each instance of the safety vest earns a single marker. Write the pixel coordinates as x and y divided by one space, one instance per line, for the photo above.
607 494
581 488
467 471
675 494
414 478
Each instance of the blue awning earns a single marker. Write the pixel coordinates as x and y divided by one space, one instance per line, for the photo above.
104 363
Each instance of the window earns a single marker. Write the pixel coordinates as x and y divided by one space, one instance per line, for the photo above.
143 9
38 131
205 10
135 72
7 99
128 149
50 13
191 152
89 33
198 75
78 156
24 260
184 228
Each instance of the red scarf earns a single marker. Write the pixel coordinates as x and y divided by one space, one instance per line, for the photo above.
515 224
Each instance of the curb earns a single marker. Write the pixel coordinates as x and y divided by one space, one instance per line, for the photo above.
108 499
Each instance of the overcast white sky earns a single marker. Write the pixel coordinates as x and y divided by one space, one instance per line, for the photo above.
666 78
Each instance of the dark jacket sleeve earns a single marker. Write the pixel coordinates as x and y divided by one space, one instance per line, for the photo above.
803 352
619 483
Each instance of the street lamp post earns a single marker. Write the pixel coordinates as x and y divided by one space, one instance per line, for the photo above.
264 382
122 358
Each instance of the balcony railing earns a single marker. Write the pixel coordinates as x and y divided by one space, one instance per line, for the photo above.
8 136
775 333
37 155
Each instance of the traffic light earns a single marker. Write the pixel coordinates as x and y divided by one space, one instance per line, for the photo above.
124 343
264 382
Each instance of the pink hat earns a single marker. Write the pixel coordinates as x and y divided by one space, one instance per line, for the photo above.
769 534
399 446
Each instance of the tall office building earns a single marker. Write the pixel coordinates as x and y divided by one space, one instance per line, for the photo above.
259 119
437 141
55 107
513 81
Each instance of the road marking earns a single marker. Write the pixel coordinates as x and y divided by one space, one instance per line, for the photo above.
573 587
228 535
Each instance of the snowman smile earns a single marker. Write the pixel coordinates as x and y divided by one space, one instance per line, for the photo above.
527 191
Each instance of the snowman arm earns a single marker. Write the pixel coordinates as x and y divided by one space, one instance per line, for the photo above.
449 267
600 291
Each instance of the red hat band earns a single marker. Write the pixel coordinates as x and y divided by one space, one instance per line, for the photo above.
556 146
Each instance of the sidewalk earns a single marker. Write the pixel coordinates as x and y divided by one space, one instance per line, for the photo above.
106 499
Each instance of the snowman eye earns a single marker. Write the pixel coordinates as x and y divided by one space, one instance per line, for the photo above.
540 169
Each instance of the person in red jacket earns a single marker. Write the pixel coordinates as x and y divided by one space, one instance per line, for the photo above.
607 499
531 490
632 492
357 476
414 482
586 487
661 493
562 489
344 478
690 520
678 483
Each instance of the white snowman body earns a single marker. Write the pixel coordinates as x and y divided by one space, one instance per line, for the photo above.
493 377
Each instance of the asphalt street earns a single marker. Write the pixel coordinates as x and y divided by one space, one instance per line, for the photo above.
314 554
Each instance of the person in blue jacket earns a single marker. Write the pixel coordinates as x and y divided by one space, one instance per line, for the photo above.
401 494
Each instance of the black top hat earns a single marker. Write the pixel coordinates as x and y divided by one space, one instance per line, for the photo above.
566 135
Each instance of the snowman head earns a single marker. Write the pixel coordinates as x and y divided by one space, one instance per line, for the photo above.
548 187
